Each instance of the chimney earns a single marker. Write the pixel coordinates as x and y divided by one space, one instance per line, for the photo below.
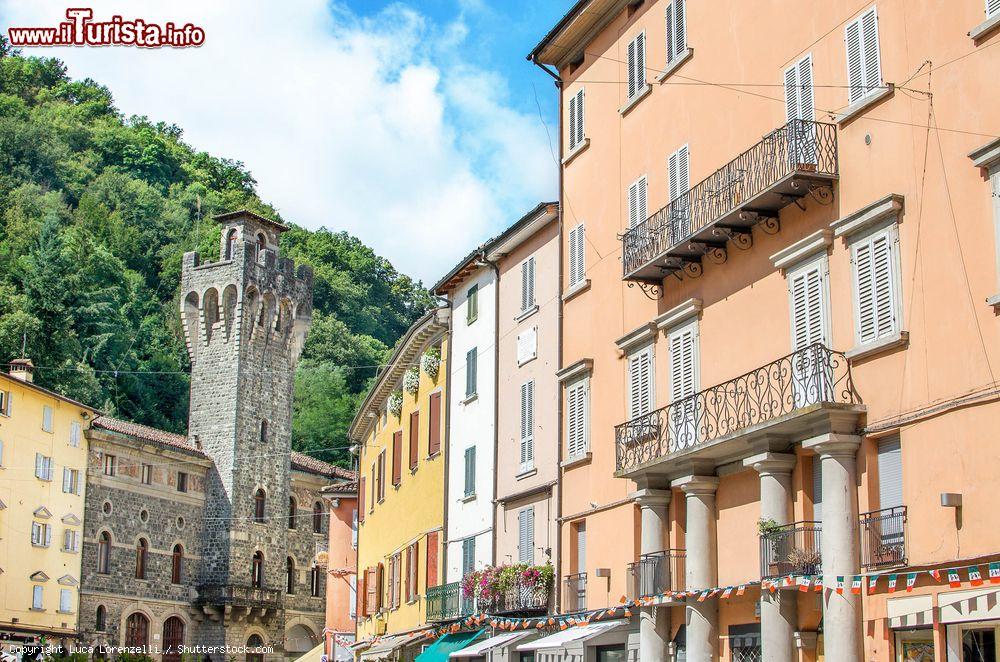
22 369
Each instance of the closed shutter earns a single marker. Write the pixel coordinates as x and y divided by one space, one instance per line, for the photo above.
799 91
361 500
434 424
808 316
572 122
397 457
640 376
637 202
817 488
874 281
890 473
468 556
992 8
576 132
470 471
470 372
379 586
74 434
67 481
527 446
526 535
528 283
676 30
47 418
65 600
432 559
864 72
577 266
414 439
581 547
680 183
636 63
683 363
576 415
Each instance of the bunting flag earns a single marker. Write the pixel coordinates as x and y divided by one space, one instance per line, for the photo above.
840 585
975 576
856 585
803 583
911 580
702 596
995 573
741 589
954 580
892 583
872 581
727 592
936 574
818 585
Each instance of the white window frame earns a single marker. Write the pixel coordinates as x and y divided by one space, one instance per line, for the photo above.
856 93
65 601
576 112
38 598
46 418
577 254
582 386
891 230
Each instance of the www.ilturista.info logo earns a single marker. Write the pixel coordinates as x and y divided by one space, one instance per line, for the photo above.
82 30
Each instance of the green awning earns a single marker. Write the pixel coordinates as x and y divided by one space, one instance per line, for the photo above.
441 649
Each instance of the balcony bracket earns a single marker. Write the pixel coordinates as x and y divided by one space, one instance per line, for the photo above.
717 254
770 225
742 238
822 194
693 269
652 291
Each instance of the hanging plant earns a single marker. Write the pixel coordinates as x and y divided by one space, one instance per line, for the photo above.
411 380
395 403
430 362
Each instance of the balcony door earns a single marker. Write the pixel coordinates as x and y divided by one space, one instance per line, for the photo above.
680 183
808 297
683 412
801 113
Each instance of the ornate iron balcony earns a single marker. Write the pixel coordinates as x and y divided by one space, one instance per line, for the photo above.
239 596
517 599
445 603
815 375
793 549
883 538
656 573
785 165
575 593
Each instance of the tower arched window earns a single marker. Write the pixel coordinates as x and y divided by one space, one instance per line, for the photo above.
290 576
317 517
177 564
141 553
314 581
263 431
137 630
260 242
258 505
257 570
104 553
292 507
173 639
231 244
254 644
101 620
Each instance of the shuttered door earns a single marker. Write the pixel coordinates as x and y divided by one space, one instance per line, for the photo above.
890 473
434 424
873 268
817 488
397 457
683 385
640 369
526 535
432 559
680 183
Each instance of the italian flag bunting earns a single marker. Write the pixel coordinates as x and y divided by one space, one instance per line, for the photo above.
803 583
911 580
818 584
995 573
892 583
935 573
727 592
856 585
975 576
954 580
741 589
840 585
872 581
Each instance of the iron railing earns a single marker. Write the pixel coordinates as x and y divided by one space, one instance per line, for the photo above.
445 602
575 592
239 595
883 538
656 573
519 598
807 377
800 146
793 549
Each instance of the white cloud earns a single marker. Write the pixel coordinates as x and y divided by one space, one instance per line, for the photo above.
372 125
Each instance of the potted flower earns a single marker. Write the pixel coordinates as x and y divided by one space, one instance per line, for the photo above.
430 362
411 380
395 403
768 529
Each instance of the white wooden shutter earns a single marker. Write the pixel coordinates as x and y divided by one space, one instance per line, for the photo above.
38 466
36 597
526 535
36 533
527 446
817 485
864 71
640 376
799 90
577 266
67 481
528 283
47 418
637 202
74 434
65 600
683 363
576 130
992 8
636 64
678 167
808 309
576 418
676 30
48 534
890 473
572 122
875 286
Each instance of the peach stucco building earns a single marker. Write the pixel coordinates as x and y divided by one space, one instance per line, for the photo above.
342 564
782 324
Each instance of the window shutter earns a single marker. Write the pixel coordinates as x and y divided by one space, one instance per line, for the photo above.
640 62
855 62
432 559
641 200
799 90
807 307
641 382
992 8
680 28
434 424
47 418
579 116
414 439
633 205
527 446
890 473
67 485
528 283
470 471
48 534
572 122
470 372
817 485
38 465
575 120
869 39
630 63
361 500
531 281
379 586
864 71
397 457
873 266
576 428
683 365
576 254
526 535
74 434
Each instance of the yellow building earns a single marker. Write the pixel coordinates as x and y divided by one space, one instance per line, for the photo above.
401 449
43 469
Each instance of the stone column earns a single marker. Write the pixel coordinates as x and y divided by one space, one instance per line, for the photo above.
841 613
702 566
654 622
778 613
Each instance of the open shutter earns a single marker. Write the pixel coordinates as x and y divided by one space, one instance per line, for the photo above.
434 424
48 534
470 372
855 63
869 41
633 205
641 200
572 122
817 488
397 457
890 473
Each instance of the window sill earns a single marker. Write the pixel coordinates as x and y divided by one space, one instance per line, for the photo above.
525 314
470 322
865 102
984 28
573 153
675 64
37 610
467 498
39 546
526 473
413 470
898 339
60 611
994 300
526 361
470 398
579 460
634 101
574 290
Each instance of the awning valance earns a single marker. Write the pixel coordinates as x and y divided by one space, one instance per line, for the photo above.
481 648
578 633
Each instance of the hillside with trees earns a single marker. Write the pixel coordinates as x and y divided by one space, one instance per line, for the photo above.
96 211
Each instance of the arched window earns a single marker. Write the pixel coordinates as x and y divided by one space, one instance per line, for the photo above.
290 577
104 553
292 507
257 570
317 517
101 621
254 643
141 551
137 630
258 505
260 242
173 639
263 431
314 581
177 564
231 244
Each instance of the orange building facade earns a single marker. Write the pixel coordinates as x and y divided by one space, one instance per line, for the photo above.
783 320
342 564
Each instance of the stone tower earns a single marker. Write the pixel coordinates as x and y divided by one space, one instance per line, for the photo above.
245 319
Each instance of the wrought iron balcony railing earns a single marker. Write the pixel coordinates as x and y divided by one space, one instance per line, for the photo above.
575 592
656 573
445 603
782 167
810 376
793 549
517 599
242 596
883 538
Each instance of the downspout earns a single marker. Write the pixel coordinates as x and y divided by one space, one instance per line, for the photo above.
496 399
447 446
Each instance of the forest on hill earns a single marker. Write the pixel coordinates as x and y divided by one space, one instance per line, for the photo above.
96 211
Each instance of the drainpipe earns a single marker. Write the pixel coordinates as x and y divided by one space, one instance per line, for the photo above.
447 444
484 261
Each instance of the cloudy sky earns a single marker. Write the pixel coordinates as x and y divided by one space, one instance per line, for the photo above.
413 124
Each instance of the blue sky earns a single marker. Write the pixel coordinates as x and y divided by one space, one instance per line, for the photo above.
413 124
